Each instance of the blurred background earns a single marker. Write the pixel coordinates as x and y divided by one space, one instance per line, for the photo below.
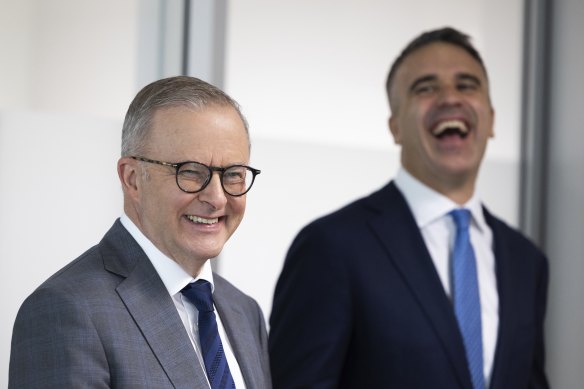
309 75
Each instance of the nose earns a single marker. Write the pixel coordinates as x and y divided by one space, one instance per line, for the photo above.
213 193
449 95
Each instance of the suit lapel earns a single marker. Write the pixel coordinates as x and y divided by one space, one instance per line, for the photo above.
503 266
396 228
239 333
153 310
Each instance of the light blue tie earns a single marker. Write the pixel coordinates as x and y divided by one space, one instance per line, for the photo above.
467 303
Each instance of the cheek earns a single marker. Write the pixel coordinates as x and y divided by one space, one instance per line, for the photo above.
241 205
486 124
237 208
483 108
415 119
171 207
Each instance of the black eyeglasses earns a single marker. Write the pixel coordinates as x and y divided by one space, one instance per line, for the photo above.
193 177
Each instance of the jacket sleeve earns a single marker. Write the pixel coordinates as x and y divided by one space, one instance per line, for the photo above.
310 323
55 345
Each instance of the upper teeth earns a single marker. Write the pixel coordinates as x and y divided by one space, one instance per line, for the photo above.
443 126
198 219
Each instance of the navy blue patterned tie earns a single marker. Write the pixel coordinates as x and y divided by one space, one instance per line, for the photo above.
199 293
467 304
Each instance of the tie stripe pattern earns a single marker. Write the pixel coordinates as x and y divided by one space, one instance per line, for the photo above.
199 293
467 305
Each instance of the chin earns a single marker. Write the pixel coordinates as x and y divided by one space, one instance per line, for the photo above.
210 252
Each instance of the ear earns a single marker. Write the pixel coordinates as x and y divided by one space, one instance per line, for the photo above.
128 172
394 129
492 131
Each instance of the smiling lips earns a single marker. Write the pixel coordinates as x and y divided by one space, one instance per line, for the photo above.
201 220
451 127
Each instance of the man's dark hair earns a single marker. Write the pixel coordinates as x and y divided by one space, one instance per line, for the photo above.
446 35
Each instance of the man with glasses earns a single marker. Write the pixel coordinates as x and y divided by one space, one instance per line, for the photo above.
417 285
143 309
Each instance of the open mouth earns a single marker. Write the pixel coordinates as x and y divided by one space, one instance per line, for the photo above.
451 128
202 220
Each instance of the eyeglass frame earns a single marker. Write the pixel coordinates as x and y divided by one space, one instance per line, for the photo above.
211 169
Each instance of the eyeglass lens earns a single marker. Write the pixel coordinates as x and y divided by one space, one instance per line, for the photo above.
192 176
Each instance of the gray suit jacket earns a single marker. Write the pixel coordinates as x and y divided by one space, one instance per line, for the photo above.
106 320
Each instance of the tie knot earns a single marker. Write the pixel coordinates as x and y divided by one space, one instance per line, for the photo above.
199 293
461 218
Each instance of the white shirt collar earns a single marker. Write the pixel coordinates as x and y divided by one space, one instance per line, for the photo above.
427 205
172 274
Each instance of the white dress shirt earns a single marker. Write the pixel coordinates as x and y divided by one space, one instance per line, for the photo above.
430 210
175 279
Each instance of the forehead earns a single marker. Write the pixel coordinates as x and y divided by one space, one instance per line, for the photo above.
185 130
438 59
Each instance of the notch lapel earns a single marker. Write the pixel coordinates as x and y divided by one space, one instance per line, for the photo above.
240 337
504 272
396 228
152 308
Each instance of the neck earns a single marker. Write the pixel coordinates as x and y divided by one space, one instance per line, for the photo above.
459 196
458 189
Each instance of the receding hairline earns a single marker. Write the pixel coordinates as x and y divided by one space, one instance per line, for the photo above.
178 91
197 108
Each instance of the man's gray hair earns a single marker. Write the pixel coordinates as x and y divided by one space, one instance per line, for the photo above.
168 92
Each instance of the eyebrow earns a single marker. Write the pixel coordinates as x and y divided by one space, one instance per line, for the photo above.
433 77
421 80
469 77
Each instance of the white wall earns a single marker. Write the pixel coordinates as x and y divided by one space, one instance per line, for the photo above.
309 75
314 70
16 27
69 55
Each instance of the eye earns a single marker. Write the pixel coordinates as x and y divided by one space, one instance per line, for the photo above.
425 88
467 86
234 175
192 175
193 172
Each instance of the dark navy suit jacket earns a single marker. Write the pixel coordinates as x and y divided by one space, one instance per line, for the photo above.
359 304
